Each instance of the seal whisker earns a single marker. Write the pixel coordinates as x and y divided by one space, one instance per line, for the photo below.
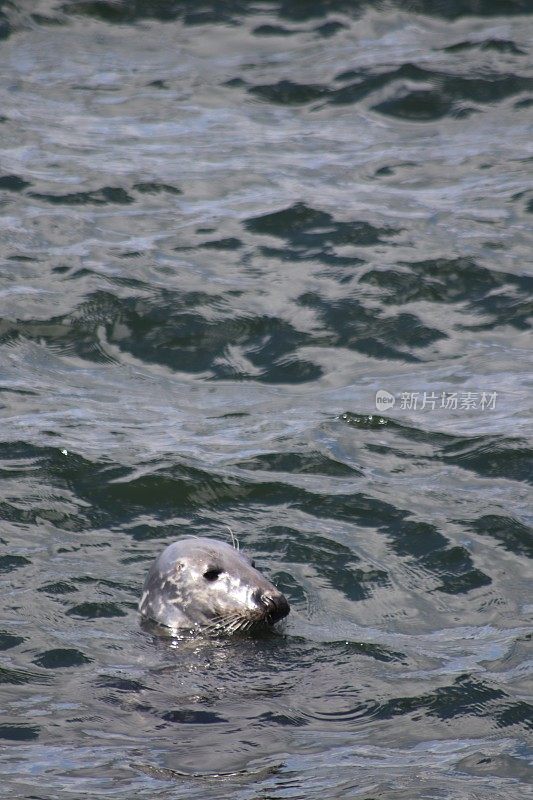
235 625
234 540
218 624
245 625
221 624
211 627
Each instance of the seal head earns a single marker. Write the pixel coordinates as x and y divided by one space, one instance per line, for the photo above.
199 582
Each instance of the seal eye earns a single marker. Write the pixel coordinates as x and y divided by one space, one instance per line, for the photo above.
212 574
253 564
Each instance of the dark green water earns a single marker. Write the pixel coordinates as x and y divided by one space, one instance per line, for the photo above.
224 228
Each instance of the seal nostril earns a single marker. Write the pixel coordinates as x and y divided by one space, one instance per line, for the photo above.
268 601
276 605
257 597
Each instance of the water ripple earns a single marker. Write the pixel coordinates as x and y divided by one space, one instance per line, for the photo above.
228 229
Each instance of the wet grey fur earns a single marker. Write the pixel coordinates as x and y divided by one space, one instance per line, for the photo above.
198 582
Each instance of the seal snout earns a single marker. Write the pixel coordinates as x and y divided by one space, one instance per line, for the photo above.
274 603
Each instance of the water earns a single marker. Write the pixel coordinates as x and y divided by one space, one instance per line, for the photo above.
225 227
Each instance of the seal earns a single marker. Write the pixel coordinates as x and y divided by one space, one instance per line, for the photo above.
203 583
